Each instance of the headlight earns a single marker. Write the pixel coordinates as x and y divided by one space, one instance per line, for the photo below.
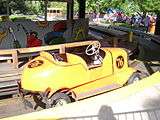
35 63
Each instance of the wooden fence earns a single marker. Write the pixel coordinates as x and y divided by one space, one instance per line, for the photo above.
15 54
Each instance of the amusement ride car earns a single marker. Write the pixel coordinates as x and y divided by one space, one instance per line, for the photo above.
58 78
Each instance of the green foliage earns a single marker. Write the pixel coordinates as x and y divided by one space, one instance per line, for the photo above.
148 5
23 6
76 6
35 7
127 6
18 6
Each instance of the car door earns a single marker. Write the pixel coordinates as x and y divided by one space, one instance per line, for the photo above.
101 78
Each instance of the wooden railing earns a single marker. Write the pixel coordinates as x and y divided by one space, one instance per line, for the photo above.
15 54
115 35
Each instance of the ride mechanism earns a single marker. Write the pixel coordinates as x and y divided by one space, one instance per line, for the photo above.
42 76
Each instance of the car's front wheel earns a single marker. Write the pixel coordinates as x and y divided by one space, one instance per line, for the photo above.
59 99
134 78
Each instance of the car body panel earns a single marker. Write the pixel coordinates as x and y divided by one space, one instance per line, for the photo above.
49 76
103 84
116 52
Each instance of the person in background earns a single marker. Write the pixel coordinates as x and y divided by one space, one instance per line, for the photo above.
94 16
132 20
97 18
147 22
152 24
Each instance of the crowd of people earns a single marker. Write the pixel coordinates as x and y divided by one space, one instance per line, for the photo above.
146 21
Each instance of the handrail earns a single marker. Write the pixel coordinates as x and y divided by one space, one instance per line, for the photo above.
16 52
52 47
43 48
7 52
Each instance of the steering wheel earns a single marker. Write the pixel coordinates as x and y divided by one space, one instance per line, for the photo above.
93 48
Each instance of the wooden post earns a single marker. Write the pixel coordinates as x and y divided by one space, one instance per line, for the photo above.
62 49
9 61
15 59
130 36
115 41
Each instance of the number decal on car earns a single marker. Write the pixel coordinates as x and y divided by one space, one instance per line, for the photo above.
120 62
35 63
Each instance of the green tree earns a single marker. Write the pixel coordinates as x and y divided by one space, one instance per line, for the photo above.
127 6
18 6
35 7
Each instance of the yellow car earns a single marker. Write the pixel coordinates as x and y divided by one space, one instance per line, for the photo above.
55 78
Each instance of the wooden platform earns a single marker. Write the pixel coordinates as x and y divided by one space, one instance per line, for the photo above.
9 75
8 71
114 35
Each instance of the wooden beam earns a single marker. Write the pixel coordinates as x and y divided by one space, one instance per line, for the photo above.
7 52
114 41
130 35
15 59
62 49
26 52
43 48
52 47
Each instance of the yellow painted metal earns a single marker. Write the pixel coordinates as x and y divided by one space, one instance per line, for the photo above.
55 75
76 75
98 77
116 52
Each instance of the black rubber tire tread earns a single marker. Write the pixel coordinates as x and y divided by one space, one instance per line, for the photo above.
132 78
38 101
60 95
